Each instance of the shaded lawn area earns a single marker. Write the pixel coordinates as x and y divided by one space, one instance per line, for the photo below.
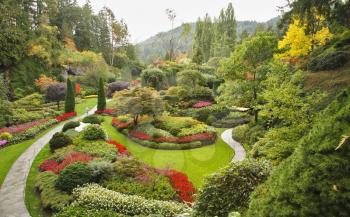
196 163
9 155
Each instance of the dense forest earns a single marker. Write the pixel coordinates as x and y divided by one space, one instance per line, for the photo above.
222 118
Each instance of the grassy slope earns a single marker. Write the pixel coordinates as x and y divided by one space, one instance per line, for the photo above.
32 199
196 163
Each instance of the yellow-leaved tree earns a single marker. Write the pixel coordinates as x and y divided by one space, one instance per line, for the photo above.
297 43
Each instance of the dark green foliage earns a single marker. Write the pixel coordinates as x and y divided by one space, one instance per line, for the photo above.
51 198
153 78
329 61
74 175
78 211
229 189
70 125
70 98
101 100
59 140
92 119
4 103
93 132
56 93
101 170
314 180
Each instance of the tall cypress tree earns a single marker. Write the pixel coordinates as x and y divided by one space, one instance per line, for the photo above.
70 99
101 103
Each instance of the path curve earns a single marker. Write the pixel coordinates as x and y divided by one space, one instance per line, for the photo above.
236 146
12 192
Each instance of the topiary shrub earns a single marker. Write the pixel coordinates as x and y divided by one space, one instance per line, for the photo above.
101 170
59 140
70 125
76 174
93 132
92 119
329 61
229 189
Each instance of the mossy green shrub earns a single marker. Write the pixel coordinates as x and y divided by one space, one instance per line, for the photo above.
239 133
101 170
92 119
329 61
72 133
59 140
74 175
70 125
150 186
229 189
93 132
170 146
51 198
98 148
127 166
95 197
78 211
233 119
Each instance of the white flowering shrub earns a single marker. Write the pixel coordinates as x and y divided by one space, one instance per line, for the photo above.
95 197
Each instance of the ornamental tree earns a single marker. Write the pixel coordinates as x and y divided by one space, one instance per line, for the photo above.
56 93
43 82
153 78
137 102
70 98
101 99
190 79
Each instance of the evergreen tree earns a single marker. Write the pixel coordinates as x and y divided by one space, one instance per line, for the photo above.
70 99
101 104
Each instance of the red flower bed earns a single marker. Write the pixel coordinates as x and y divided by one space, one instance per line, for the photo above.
104 112
77 88
66 116
120 125
185 139
202 104
121 148
51 165
139 135
23 127
181 184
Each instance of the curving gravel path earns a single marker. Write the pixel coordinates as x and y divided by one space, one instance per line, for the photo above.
236 146
12 198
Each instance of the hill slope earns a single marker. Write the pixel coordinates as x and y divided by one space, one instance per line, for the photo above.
156 46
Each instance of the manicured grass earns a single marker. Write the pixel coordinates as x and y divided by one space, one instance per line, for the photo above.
196 163
85 103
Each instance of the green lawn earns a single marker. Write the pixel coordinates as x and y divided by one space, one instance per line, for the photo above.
196 163
10 154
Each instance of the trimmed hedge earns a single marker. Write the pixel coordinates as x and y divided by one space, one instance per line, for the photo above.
59 140
70 125
92 119
170 146
93 132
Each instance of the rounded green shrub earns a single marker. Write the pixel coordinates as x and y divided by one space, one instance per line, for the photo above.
93 132
92 119
76 174
6 136
59 140
70 125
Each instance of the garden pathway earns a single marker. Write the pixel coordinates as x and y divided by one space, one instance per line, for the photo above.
236 146
12 192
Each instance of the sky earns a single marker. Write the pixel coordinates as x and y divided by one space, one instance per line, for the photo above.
146 18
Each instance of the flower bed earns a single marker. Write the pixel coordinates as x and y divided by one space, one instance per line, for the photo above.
66 116
181 184
120 125
105 112
184 139
120 147
23 127
202 104
3 143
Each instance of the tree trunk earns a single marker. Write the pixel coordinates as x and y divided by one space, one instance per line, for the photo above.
136 120
256 116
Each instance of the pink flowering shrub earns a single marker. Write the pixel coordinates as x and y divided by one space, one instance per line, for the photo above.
202 104
23 127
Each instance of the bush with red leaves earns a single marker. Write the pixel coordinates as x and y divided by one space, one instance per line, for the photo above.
51 165
120 125
104 112
121 148
181 184
202 104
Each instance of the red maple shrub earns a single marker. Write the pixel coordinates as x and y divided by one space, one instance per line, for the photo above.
202 104
181 184
48 165
120 125
121 148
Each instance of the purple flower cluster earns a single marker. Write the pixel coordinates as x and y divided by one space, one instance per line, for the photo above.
3 143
